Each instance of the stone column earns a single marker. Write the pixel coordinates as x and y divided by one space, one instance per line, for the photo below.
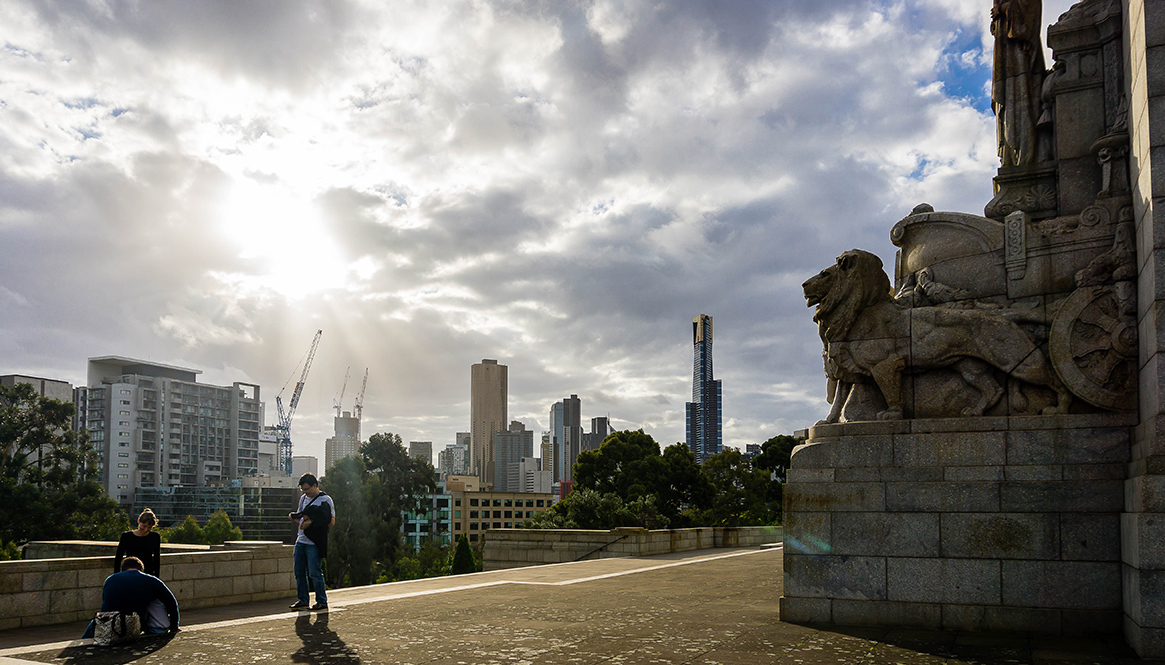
1143 523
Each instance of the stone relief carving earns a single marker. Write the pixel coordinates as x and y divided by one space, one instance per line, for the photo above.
869 337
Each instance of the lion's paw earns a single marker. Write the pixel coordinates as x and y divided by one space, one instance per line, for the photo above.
890 414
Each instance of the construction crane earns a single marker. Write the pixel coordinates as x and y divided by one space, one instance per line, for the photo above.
283 428
360 398
339 400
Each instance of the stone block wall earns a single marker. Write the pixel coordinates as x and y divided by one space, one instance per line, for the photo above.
48 591
516 548
1143 525
1008 523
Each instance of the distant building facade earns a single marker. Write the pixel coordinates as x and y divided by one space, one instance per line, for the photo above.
345 441
454 460
259 512
600 429
301 464
422 450
547 454
532 478
566 435
488 413
510 447
154 425
703 418
474 513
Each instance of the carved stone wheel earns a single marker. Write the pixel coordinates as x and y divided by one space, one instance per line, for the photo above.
1094 348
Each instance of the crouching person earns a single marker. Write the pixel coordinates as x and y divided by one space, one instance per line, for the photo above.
134 591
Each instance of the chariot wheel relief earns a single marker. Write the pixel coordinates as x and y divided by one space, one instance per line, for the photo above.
1094 348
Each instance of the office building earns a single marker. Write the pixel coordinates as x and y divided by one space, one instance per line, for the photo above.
510 447
703 417
565 435
345 441
301 464
488 413
422 450
259 511
454 460
474 513
547 454
431 522
154 425
531 478
600 429
61 391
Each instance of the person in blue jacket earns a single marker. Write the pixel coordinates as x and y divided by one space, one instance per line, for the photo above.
132 590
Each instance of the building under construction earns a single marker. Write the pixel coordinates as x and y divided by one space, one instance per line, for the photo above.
346 440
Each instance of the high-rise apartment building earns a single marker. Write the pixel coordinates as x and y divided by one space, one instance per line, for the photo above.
345 441
422 450
154 425
566 435
547 452
510 447
488 413
600 429
705 435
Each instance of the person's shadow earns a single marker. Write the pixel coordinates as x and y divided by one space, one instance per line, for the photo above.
321 645
92 654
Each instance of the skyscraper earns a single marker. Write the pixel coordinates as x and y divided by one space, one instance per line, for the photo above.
510 448
345 442
421 450
488 413
705 436
565 435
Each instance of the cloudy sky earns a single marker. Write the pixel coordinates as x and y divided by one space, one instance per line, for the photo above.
561 186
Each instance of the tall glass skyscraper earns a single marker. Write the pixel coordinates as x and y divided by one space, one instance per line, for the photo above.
705 435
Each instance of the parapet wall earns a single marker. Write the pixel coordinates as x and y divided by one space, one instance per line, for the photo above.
47 591
515 548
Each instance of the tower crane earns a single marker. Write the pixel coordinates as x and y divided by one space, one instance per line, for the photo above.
339 400
360 398
283 428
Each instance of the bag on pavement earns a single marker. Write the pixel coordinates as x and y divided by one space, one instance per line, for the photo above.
116 628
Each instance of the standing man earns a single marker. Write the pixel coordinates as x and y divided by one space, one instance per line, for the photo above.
316 514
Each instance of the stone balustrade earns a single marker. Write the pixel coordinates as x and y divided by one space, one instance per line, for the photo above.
515 548
61 590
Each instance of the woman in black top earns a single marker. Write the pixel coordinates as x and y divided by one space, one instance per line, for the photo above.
143 543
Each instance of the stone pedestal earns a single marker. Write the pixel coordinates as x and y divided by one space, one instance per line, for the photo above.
993 523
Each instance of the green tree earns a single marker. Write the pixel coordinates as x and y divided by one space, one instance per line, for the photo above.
395 483
739 491
463 558
350 548
48 473
188 533
775 454
586 509
219 529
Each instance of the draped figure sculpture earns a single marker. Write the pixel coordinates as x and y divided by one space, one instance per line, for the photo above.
1016 79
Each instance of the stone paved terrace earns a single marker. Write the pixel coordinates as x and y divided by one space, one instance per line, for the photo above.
705 607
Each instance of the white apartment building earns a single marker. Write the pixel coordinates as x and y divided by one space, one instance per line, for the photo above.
154 425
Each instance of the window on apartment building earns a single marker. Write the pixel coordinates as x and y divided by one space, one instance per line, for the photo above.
540 503
529 503
457 525
509 514
473 502
457 514
497 502
473 526
123 413
123 465
125 402
497 525
123 487
497 513
123 423
473 514
457 502
123 475
508 503
123 454
125 391
529 513
123 434
509 525
473 537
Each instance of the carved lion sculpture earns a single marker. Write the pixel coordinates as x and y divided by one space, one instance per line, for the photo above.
868 336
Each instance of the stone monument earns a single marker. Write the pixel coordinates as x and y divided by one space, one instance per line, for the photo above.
994 454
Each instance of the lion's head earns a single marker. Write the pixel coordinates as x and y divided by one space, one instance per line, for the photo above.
841 291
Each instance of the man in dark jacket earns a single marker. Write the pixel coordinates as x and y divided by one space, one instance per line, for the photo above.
132 590
316 514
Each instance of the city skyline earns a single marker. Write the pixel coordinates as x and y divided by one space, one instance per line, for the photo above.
558 188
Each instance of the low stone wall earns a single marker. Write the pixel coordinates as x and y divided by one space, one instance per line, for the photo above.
61 590
515 548
990 523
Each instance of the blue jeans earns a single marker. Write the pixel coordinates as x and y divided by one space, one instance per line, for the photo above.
307 564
